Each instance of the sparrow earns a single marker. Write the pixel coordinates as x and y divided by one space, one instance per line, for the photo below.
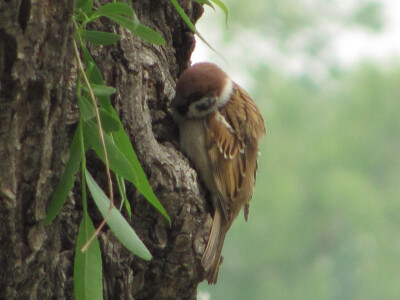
220 127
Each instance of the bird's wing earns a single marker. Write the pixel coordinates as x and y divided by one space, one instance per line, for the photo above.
232 135
227 157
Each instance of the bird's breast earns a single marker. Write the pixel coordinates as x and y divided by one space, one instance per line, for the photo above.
192 142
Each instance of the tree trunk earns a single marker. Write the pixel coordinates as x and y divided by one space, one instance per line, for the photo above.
37 112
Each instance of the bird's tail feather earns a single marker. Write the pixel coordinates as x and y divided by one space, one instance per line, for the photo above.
212 255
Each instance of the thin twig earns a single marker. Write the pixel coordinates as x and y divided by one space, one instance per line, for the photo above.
98 229
106 162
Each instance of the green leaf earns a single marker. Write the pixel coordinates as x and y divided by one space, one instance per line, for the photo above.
122 141
87 58
109 123
101 90
100 37
118 162
93 72
123 160
66 182
95 77
183 15
118 8
149 35
122 192
84 5
191 25
88 283
224 9
124 144
206 2
124 22
81 16
117 223
86 108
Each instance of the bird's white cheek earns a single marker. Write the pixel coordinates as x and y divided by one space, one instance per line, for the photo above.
226 92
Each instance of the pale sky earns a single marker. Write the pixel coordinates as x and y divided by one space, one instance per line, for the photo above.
349 46
380 46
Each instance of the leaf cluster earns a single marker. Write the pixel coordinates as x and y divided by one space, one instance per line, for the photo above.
100 129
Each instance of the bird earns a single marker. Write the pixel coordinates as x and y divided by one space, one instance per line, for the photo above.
220 127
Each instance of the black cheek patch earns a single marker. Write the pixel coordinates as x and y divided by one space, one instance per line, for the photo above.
206 105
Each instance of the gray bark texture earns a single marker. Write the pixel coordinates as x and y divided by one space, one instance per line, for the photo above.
37 120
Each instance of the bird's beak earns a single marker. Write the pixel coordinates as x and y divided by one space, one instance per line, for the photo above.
179 104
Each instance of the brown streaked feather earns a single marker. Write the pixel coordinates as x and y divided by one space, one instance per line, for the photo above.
246 211
232 136
244 113
213 240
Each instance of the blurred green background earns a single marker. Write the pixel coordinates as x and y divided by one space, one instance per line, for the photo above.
324 221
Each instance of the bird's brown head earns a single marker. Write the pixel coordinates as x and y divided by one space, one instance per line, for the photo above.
201 89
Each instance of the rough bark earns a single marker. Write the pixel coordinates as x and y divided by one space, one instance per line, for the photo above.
37 98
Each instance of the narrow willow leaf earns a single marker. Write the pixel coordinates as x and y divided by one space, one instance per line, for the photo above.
109 123
80 16
183 15
118 8
123 160
149 35
87 58
99 37
122 141
119 164
93 71
84 5
117 223
206 2
85 108
88 283
122 192
189 23
224 9
66 182
124 22
101 90
95 77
